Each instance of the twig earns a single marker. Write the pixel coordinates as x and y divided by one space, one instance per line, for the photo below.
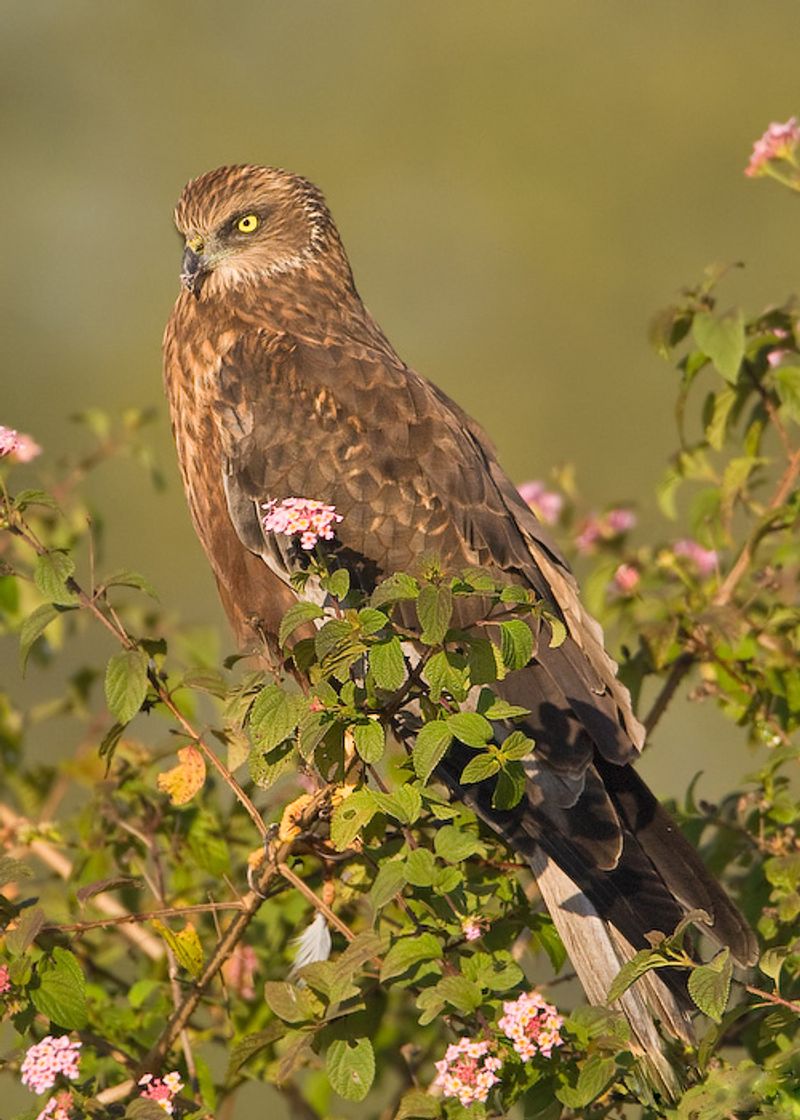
144 916
680 667
771 997
290 877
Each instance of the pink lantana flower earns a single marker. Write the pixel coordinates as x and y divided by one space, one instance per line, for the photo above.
473 928
239 971
45 1060
546 504
58 1107
161 1089
17 446
778 142
310 520
467 1071
604 527
5 983
532 1024
704 560
626 579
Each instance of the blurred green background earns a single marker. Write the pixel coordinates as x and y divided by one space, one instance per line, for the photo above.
520 186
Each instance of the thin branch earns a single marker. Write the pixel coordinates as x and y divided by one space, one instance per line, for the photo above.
771 997
144 916
290 877
679 669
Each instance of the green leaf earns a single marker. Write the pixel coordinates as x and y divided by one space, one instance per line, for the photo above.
454 844
510 787
459 992
25 498
295 617
13 870
404 804
430 747
370 740
434 610
493 707
641 962
350 1065
265 767
479 768
274 716
27 929
291 1003
126 684
61 994
350 817
516 643
388 883
717 425
371 620
338 583
388 664
595 1075
416 1104
185 944
409 951
558 631
481 662
144 1109
516 746
787 384
710 985
420 868
396 587
721 340
126 578
50 574
443 673
33 626
470 728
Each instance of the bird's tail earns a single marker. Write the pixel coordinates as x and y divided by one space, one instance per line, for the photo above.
598 951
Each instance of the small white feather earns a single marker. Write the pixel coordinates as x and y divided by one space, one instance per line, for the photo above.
313 944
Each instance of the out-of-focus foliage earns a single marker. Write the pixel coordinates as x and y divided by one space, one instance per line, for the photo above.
150 915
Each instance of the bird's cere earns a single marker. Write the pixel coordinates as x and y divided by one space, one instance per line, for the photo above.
532 1024
703 560
48 1059
310 520
546 504
779 142
161 1089
17 446
467 1071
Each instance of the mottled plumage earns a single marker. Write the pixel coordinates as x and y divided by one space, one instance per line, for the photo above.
281 384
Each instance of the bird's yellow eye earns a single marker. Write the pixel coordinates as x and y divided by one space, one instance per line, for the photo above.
248 223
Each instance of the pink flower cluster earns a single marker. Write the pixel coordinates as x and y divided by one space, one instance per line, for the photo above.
778 142
472 928
311 520
704 560
467 1071
17 446
239 971
162 1089
58 1107
532 1024
546 504
626 579
604 527
5 983
47 1059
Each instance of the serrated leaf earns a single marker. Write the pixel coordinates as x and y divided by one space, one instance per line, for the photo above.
510 786
787 384
50 574
371 620
409 951
61 993
296 616
350 1065
481 662
338 583
388 664
252 1044
416 1104
722 340
186 779
370 740
454 844
126 578
420 868
459 992
717 425
267 766
430 747
33 626
494 707
434 610
479 768
594 1077
185 944
641 962
404 804
27 929
144 1109
274 716
126 684
395 588
290 1002
470 728
710 985
13 870
442 673
350 817
25 498
516 643
516 746
388 883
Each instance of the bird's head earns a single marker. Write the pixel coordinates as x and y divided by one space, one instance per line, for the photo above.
246 223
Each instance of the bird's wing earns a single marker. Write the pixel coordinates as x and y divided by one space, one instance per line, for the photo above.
411 474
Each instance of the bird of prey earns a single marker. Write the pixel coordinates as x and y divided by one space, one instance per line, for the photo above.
282 384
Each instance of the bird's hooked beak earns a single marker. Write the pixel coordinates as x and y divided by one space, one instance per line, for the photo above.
194 266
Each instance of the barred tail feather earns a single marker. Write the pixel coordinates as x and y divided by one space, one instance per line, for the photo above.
598 951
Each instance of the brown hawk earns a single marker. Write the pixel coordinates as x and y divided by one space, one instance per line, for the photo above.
281 384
